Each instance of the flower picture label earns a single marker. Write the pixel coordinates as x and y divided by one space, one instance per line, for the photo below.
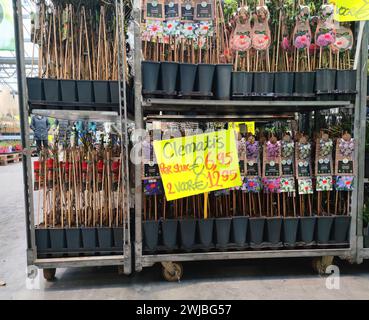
345 166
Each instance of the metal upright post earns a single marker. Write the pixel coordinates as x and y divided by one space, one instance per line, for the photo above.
23 113
359 133
138 126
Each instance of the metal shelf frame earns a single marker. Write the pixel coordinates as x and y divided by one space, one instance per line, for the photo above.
156 109
124 260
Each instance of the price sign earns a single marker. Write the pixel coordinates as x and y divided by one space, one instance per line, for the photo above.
351 10
198 164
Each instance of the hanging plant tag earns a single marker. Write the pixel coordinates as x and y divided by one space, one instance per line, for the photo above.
154 10
344 39
323 156
151 170
172 10
272 159
252 168
187 11
204 10
302 32
240 39
261 39
287 166
305 186
345 150
303 159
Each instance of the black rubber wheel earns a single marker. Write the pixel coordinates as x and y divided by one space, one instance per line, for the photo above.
49 274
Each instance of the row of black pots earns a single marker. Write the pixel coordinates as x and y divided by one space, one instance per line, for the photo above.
242 232
82 91
78 239
170 77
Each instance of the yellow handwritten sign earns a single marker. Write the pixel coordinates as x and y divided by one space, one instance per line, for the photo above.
351 10
249 126
197 164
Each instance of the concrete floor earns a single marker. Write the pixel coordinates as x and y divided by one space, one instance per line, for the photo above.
250 279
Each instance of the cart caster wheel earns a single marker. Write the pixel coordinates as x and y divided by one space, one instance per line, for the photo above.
172 271
49 274
320 264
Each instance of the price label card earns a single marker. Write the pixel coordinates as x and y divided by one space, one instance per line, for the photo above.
172 10
303 168
154 10
272 169
345 166
324 166
151 170
252 168
197 164
204 10
187 11
287 167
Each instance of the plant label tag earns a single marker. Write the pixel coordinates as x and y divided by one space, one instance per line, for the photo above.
303 169
154 10
204 10
187 11
242 167
345 166
151 170
287 167
252 168
324 166
272 169
172 9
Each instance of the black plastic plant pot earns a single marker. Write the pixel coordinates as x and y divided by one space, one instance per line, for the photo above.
169 231
68 90
34 87
223 230
341 226
42 239
323 229
306 229
151 234
187 77
239 230
290 225
187 233
325 81
101 91
206 232
150 75
51 89
273 227
205 76
256 228
73 237
242 83
169 72
223 78
105 237
114 92
304 83
346 81
263 83
57 239
89 240
118 237
84 88
283 83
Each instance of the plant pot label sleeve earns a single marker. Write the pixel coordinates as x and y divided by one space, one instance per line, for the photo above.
197 164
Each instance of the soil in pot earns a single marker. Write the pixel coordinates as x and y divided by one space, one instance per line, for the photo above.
263 83
290 225
114 92
346 81
306 229
73 237
57 239
187 77
105 237
283 83
187 233
223 229
304 83
42 239
84 88
242 83
89 239
273 230
323 229
68 90
169 232
101 91
118 237
239 230
205 76
256 230
150 234
150 75
223 77
51 89
34 88
325 81
169 72
206 232
340 229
